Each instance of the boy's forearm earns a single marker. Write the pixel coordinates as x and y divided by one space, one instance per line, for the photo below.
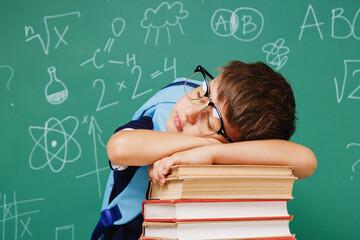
143 147
267 152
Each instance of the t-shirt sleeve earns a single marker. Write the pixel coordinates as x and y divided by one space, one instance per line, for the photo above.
142 123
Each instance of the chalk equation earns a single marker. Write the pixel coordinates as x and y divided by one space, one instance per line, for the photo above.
55 145
354 165
276 53
350 83
55 91
165 16
16 216
95 132
341 26
244 24
117 26
65 232
45 44
9 77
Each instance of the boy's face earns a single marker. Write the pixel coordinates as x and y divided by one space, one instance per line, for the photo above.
183 117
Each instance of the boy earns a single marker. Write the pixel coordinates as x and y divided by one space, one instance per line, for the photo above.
244 116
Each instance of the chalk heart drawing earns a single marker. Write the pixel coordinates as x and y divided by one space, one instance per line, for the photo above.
54 145
276 53
244 24
163 17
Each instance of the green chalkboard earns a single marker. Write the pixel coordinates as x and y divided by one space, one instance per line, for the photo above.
73 71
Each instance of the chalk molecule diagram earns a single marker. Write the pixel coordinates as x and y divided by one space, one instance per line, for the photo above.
54 144
163 17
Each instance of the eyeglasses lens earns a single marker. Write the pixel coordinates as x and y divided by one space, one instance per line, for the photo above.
208 121
199 92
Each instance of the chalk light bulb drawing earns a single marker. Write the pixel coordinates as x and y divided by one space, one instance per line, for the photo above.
55 91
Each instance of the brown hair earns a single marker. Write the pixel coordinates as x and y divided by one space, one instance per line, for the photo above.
258 101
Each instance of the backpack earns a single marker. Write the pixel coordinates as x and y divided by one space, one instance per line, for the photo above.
127 205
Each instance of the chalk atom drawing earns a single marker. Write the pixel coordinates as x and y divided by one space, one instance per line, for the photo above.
244 24
276 53
54 144
55 91
162 18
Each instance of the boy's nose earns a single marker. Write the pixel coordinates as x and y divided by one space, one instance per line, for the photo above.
192 113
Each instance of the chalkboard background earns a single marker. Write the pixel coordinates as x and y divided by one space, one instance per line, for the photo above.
73 71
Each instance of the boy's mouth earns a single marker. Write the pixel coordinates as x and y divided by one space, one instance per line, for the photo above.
177 122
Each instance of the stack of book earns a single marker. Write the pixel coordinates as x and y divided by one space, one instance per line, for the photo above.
220 202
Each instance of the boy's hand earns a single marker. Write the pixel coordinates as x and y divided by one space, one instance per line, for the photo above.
195 156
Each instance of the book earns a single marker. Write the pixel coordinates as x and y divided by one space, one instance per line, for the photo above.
223 187
229 170
275 238
208 209
225 229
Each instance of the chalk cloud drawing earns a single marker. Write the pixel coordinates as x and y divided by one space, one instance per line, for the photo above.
276 53
163 17
30 32
10 76
64 232
55 91
54 144
244 24
15 215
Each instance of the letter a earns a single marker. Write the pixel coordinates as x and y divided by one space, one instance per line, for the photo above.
317 24
221 21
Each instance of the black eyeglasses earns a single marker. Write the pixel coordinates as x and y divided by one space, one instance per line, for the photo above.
209 120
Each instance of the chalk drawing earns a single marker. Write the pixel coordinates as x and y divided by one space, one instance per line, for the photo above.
352 69
314 23
14 218
166 68
10 77
353 167
30 33
135 94
117 27
55 91
344 24
100 106
121 85
276 53
53 142
163 17
95 131
244 24
64 232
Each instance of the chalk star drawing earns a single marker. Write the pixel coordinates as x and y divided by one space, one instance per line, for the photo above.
54 146
164 16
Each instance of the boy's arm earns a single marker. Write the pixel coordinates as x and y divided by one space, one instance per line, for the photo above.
261 152
144 147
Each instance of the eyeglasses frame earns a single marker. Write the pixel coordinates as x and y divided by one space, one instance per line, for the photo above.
205 73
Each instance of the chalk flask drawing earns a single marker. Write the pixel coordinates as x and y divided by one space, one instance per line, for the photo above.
55 91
